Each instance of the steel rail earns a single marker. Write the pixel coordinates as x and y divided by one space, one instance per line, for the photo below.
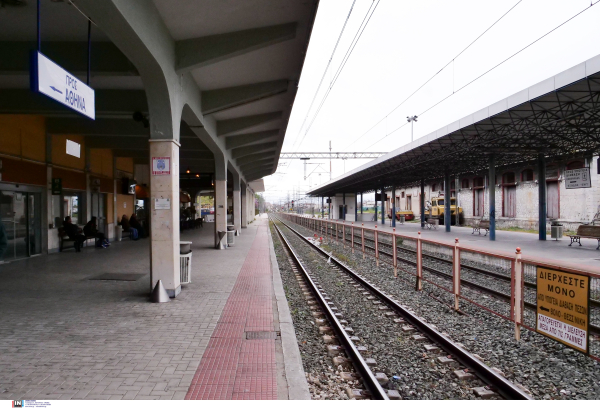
377 392
504 387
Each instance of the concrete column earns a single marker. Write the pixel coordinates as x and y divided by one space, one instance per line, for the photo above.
164 231
344 206
322 207
456 187
355 207
422 203
393 206
542 196
361 203
237 204
375 206
244 199
492 197
447 213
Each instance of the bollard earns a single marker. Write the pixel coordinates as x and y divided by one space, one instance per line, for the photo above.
517 283
456 274
419 285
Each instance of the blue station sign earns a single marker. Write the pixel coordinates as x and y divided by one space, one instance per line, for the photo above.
52 80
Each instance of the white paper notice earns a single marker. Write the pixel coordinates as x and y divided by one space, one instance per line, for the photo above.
162 204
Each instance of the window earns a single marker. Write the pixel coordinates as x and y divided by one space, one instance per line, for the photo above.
508 178
465 183
403 194
72 207
453 185
527 175
433 187
478 182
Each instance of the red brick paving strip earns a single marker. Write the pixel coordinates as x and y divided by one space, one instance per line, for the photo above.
233 367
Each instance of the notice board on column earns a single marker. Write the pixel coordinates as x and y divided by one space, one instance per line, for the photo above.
161 166
563 307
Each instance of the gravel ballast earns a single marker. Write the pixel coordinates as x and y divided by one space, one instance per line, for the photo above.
548 369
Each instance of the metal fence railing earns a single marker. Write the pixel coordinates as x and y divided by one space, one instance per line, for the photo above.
502 284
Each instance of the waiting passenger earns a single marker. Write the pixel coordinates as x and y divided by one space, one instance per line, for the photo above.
134 223
128 228
91 231
74 233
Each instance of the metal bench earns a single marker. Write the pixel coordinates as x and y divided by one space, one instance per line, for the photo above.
432 223
586 231
481 224
63 237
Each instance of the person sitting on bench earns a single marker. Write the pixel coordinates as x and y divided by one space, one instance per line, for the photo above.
91 231
133 233
74 233
134 223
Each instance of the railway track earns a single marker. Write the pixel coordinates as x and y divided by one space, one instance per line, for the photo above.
359 363
502 386
497 294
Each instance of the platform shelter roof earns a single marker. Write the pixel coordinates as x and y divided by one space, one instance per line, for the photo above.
557 117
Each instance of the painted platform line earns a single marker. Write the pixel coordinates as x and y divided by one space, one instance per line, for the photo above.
233 367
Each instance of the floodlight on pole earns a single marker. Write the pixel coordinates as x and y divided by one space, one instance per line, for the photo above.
412 120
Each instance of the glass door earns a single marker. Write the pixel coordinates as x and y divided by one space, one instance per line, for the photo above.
98 201
20 214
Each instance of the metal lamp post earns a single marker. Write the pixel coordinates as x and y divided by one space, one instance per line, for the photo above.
412 120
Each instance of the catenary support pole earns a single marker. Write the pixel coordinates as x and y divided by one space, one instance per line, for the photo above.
447 213
542 196
422 204
492 197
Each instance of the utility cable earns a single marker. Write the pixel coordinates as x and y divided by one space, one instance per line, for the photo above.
491 69
355 40
324 73
437 73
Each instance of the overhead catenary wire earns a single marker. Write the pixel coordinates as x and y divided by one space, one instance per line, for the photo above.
325 72
355 40
491 69
437 73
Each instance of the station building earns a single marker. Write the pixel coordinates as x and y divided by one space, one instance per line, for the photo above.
517 195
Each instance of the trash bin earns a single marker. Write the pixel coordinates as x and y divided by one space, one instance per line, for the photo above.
185 262
402 218
556 231
230 238
118 233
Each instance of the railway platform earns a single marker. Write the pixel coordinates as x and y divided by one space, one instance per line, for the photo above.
506 242
228 335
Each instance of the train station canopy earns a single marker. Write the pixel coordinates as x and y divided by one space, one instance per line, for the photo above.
232 67
558 117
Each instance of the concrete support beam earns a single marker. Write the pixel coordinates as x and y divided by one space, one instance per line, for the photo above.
244 199
542 197
257 164
103 127
164 233
226 98
199 52
232 142
227 126
447 201
492 197
255 157
249 150
237 203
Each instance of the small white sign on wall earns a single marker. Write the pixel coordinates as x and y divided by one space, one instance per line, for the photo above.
73 148
124 205
161 166
162 204
578 178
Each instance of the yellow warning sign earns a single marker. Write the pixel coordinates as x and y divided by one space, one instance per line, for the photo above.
562 307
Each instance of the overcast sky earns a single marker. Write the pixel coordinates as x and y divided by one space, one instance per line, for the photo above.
403 45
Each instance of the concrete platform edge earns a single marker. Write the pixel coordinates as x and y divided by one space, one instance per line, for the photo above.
294 372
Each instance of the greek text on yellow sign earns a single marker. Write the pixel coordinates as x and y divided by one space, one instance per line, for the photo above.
562 307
